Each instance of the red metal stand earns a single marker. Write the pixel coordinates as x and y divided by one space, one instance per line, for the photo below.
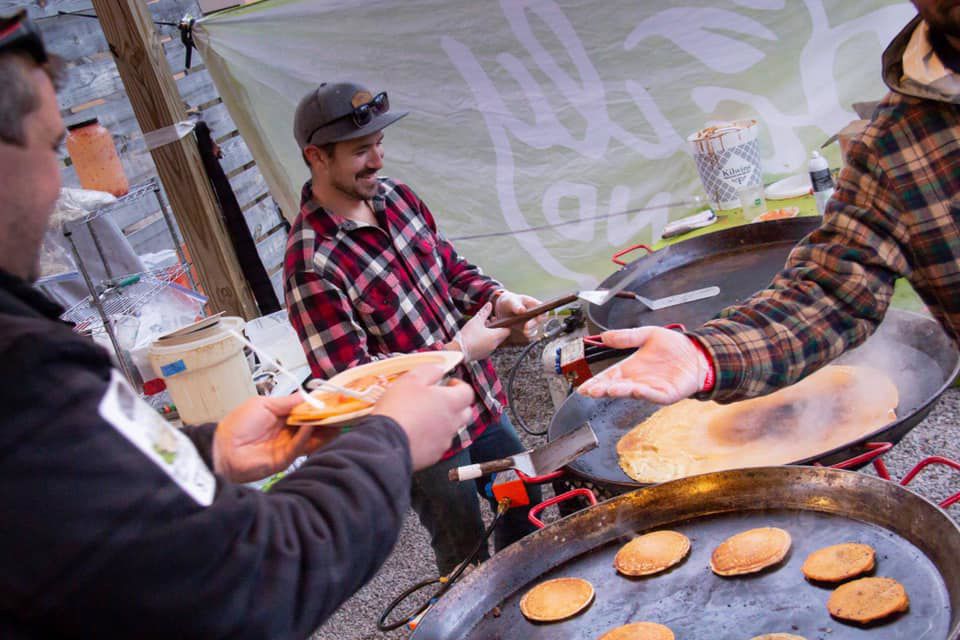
877 449
573 493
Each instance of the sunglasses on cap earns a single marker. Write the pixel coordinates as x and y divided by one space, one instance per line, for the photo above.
19 33
362 114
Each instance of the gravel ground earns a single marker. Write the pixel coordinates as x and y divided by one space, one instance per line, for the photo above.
412 559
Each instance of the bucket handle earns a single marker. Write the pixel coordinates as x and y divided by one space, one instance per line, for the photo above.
304 393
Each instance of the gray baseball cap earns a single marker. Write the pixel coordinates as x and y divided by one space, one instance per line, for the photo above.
337 111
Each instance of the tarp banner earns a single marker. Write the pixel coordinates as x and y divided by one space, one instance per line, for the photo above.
550 134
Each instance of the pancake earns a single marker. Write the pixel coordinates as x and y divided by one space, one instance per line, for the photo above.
832 407
651 553
750 551
868 599
839 562
639 631
778 636
334 405
556 599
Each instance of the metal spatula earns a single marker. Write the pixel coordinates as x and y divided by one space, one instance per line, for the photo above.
596 296
536 462
669 301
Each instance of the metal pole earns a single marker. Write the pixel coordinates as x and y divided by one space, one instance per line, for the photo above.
95 300
173 235
96 243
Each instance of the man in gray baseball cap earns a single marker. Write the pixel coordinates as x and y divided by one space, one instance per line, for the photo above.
367 275
340 111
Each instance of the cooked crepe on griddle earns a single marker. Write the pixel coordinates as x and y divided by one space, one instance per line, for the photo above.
651 553
556 599
868 599
750 551
839 562
832 407
639 631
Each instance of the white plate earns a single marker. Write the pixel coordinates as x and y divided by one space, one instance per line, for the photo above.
446 360
791 187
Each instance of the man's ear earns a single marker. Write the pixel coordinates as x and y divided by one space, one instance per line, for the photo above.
313 156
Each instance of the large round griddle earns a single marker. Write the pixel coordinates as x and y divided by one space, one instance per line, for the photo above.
916 544
740 260
912 349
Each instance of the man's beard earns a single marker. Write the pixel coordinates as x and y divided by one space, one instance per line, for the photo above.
351 190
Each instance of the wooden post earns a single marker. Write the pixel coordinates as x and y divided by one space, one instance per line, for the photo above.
136 49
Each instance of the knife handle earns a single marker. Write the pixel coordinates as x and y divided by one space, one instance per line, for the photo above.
473 471
549 305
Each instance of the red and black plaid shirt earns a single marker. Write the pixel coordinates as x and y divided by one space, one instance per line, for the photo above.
357 292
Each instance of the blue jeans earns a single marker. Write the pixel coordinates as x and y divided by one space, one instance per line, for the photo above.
450 511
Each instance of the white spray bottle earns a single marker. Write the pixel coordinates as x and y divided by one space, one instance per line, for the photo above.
821 180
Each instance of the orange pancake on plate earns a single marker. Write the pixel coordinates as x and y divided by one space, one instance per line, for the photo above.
651 553
340 408
639 631
556 599
868 599
832 407
839 562
750 551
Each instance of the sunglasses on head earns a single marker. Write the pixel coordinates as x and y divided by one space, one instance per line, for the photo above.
362 114
19 33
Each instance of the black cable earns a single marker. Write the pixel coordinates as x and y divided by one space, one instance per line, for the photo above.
87 15
445 583
513 374
569 325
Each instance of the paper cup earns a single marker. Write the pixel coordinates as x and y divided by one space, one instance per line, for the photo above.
728 160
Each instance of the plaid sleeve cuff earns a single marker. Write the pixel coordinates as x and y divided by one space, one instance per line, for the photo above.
728 362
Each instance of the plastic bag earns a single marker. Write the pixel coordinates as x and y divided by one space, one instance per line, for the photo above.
56 260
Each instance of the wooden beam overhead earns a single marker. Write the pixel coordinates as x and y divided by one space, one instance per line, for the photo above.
147 78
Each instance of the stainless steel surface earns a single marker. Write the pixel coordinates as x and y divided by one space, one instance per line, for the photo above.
98 305
674 300
916 544
558 453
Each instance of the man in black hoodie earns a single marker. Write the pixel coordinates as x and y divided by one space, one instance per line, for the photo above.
115 524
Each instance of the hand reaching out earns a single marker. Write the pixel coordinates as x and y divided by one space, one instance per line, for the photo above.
667 367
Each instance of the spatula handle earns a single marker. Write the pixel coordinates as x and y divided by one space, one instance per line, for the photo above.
473 471
549 305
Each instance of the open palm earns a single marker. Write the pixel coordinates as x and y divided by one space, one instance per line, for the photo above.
666 367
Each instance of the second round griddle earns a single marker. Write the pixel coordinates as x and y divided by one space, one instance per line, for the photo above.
740 260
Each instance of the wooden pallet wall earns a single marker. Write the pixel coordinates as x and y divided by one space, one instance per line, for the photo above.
93 89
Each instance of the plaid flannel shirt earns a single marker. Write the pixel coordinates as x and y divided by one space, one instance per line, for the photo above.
357 292
895 213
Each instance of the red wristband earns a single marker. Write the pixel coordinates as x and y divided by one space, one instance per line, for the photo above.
711 379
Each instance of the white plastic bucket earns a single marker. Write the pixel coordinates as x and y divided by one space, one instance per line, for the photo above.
206 372
728 159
